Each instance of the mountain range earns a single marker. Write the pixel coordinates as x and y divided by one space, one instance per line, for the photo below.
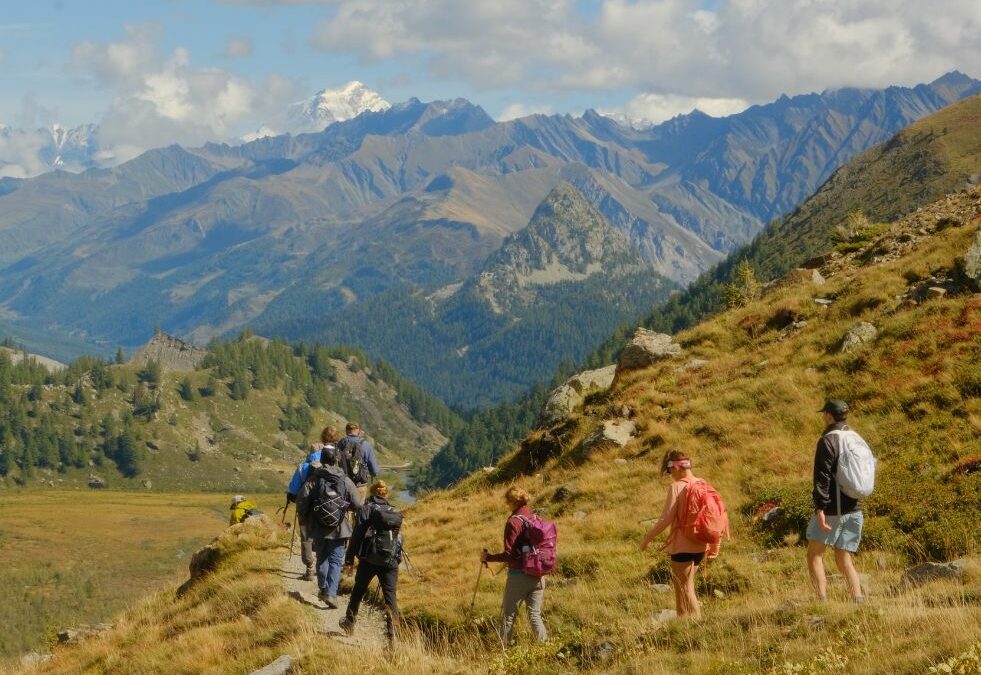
376 226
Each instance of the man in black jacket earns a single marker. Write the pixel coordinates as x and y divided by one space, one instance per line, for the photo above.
837 518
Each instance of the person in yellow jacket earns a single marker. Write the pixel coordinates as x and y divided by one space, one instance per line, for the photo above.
240 509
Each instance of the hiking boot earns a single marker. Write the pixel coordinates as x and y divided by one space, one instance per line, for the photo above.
324 598
331 602
346 625
309 575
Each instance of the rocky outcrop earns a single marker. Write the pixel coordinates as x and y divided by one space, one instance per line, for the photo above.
932 571
79 633
612 432
801 275
571 393
645 349
170 352
859 335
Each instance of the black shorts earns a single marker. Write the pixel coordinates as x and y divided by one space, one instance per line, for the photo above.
688 558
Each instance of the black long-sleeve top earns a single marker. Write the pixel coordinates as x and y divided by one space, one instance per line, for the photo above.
825 466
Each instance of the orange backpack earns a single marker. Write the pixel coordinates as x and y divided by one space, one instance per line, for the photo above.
704 517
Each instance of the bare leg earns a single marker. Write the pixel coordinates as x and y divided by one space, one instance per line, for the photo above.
815 565
843 559
683 578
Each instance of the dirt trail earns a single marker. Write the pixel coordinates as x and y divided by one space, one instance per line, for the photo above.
370 630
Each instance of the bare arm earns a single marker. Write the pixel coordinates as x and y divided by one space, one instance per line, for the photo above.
668 514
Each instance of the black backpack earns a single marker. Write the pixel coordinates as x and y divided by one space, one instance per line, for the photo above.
353 453
329 502
382 543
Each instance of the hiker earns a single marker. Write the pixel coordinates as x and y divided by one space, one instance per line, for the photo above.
377 543
241 509
519 587
358 457
686 553
328 437
837 517
322 505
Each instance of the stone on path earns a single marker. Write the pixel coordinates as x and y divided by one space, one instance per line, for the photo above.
280 666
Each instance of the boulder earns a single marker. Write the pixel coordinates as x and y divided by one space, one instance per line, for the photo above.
664 615
931 571
79 633
33 659
693 364
617 432
859 335
801 275
935 292
280 666
565 492
571 393
970 265
97 483
645 349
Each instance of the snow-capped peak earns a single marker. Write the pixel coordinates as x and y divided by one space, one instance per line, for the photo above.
334 105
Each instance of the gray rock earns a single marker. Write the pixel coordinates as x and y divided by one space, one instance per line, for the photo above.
931 571
772 515
824 302
147 485
859 335
579 515
620 460
664 615
814 621
801 275
646 348
935 292
280 666
604 652
970 265
571 393
79 633
617 432
97 483
662 588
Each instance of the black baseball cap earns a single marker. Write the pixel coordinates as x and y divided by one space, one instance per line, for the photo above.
836 407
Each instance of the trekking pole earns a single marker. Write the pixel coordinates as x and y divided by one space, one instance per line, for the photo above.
480 570
293 537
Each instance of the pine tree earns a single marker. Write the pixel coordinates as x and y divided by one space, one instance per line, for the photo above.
187 390
120 356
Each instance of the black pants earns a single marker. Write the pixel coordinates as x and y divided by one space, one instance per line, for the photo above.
388 578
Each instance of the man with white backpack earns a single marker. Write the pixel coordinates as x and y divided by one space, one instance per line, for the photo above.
844 474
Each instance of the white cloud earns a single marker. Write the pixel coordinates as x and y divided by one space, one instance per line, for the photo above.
740 49
158 99
654 108
516 110
20 152
238 47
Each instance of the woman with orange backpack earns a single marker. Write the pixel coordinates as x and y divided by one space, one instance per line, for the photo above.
697 519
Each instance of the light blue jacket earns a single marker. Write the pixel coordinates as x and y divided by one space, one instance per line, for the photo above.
301 473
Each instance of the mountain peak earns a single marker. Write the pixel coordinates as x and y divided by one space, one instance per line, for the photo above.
334 105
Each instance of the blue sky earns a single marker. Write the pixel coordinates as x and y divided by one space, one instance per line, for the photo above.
60 60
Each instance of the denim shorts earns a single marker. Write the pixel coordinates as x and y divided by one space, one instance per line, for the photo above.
845 534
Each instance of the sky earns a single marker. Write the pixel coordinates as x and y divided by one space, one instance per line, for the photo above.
152 72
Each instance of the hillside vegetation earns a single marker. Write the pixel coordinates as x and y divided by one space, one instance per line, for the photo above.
930 158
240 419
746 414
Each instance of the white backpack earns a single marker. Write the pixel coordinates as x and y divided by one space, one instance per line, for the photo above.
856 465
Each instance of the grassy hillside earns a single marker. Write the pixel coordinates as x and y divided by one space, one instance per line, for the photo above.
930 158
238 422
747 417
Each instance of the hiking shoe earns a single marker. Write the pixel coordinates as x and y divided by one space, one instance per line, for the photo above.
331 602
346 625
309 575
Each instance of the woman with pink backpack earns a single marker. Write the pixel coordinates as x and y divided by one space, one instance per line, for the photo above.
529 551
698 520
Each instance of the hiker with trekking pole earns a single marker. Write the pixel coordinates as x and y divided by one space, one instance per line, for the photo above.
377 544
530 554
698 521
323 504
328 437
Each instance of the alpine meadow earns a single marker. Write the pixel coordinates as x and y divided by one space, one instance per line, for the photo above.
514 338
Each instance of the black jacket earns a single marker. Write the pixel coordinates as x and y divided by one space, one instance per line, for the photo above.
825 467
305 503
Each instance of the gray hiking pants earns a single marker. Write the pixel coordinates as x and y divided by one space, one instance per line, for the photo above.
529 590
307 554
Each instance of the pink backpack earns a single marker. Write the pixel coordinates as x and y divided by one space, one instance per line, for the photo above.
539 552
704 517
